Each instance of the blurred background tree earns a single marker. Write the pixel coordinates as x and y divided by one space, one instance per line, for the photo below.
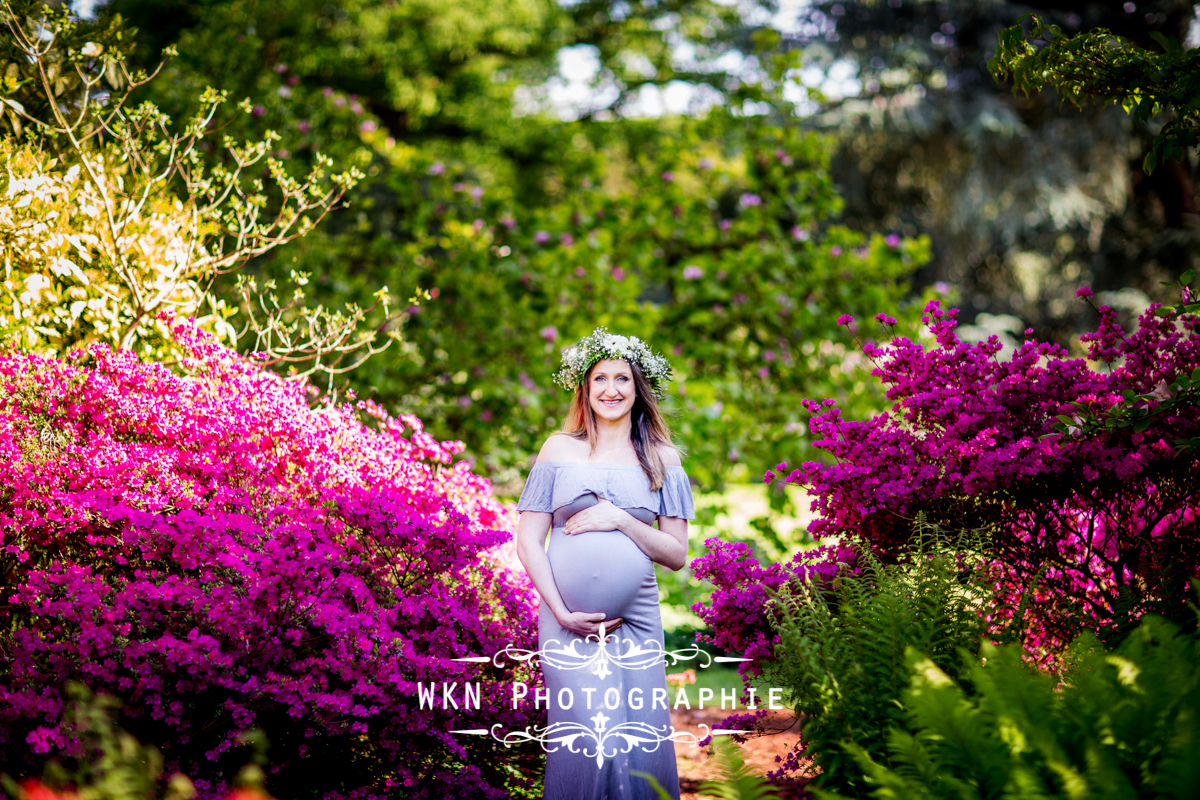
113 212
1023 197
528 222
542 167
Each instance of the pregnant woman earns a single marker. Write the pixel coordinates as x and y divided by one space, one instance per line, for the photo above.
599 487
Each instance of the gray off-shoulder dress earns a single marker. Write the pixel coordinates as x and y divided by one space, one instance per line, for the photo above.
597 732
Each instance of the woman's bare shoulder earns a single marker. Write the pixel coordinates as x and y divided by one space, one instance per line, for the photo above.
563 447
669 455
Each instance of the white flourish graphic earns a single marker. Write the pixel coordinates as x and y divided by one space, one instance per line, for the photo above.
608 743
638 656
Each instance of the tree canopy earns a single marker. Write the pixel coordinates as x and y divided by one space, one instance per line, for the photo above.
711 236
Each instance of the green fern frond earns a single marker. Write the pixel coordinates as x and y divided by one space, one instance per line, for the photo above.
737 781
663 794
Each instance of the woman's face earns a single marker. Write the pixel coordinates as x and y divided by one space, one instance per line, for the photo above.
610 389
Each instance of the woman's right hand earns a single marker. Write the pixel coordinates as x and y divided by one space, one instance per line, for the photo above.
584 624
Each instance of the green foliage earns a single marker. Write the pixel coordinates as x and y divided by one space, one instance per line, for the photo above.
86 59
1122 724
113 212
1105 67
841 650
643 226
736 781
615 247
1182 284
434 70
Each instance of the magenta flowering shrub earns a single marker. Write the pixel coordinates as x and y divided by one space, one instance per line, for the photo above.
737 615
1083 529
220 556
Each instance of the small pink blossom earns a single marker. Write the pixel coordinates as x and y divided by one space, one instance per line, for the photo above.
749 200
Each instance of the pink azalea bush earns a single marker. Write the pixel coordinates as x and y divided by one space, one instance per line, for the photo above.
221 557
1080 529
737 614
1075 482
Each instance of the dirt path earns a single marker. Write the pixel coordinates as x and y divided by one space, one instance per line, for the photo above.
759 752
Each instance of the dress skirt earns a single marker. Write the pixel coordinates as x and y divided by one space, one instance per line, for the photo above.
623 721
609 713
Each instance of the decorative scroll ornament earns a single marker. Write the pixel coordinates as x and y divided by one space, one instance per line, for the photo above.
607 743
637 656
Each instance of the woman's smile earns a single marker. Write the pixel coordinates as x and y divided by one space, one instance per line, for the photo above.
611 389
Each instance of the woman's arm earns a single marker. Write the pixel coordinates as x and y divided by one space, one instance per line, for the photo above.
531 549
666 544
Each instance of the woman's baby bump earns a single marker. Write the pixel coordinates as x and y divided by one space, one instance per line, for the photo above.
599 570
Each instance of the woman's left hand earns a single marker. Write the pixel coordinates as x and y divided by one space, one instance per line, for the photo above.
603 516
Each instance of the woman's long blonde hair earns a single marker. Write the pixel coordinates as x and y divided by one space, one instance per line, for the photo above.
648 427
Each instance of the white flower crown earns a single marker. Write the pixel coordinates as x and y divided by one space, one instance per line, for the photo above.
578 359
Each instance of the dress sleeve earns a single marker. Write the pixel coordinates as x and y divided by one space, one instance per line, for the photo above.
677 495
538 494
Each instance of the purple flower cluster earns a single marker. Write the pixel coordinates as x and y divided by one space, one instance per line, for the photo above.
1085 531
220 556
738 615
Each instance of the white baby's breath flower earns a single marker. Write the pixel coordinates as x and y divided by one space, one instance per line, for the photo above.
579 358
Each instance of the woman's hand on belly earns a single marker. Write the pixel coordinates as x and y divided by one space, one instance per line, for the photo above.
604 516
586 624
